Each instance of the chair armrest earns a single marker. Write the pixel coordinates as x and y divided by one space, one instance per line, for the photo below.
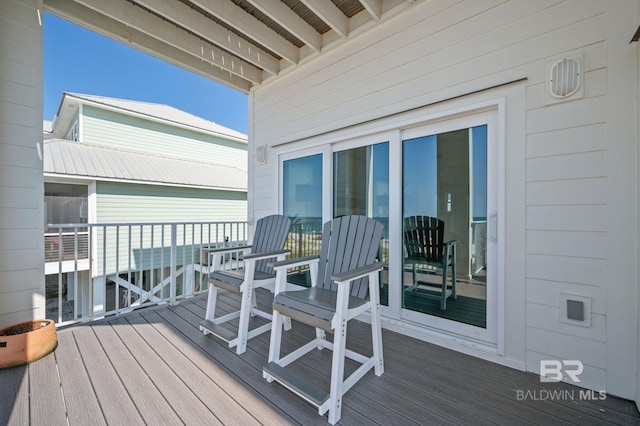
354 274
292 263
264 255
223 250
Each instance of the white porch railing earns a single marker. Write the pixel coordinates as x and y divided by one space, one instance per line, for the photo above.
98 270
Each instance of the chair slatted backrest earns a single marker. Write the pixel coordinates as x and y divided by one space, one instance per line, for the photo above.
424 238
270 235
348 242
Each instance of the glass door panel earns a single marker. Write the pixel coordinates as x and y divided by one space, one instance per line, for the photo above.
444 210
361 187
302 203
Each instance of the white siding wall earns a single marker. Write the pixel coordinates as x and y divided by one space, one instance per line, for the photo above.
21 183
122 131
571 178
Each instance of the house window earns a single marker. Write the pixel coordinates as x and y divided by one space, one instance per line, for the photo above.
65 203
73 134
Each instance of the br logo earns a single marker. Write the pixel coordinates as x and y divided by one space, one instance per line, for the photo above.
552 370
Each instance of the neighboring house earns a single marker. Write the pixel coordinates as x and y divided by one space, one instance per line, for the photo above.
542 94
120 161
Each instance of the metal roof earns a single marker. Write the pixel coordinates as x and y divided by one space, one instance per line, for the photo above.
81 160
69 105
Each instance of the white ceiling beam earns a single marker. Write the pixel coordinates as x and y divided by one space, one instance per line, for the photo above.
374 7
143 21
290 21
330 14
197 23
101 24
252 28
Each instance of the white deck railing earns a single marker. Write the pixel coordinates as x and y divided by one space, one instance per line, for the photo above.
98 270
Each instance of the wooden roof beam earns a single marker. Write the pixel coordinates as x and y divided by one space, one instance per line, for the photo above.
290 21
115 30
374 7
197 23
143 21
330 14
252 28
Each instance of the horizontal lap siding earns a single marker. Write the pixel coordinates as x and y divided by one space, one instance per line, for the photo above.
566 220
441 49
146 203
21 185
109 128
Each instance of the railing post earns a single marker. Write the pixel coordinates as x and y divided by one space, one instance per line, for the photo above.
174 261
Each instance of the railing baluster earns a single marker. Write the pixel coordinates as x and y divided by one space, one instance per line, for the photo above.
117 288
75 274
105 262
129 256
152 275
174 255
60 275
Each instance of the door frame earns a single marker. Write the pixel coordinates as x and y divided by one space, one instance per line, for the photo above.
390 129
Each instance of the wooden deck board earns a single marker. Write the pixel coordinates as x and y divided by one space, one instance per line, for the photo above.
14 394
193 367
154 366
47 405
117 405
173 392
80 398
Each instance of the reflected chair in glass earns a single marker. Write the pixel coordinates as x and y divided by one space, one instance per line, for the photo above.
424 245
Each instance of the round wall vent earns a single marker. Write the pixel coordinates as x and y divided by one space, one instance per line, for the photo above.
261 154
565 78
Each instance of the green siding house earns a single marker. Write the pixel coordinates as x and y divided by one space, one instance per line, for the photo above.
114 161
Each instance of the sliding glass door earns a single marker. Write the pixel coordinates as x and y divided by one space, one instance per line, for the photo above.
435 189
361 187
449 263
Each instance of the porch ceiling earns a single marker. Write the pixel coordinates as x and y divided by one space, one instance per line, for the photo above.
239 43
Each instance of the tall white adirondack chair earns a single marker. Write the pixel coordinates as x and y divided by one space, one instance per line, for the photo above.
268 242
344 284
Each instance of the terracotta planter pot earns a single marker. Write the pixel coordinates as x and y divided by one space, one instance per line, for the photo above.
27 342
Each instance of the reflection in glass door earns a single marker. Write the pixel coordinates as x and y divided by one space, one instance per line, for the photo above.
302 203
444 211
361 187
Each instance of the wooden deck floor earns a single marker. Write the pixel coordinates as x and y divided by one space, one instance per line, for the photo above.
155 367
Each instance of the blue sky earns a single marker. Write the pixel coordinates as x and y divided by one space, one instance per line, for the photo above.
81 61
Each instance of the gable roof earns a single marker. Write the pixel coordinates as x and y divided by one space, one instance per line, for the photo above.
81 160
157 112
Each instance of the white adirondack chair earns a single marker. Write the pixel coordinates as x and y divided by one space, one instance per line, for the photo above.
268 242
344 285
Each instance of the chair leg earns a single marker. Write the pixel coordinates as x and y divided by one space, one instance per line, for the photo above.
211 305
243 325
453 274
337 372
443 295
376 328
276 339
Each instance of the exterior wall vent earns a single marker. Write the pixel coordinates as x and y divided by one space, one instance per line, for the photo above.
565 77
575 310
261 154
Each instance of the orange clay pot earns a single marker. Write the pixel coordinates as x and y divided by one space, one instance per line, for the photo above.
26 342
